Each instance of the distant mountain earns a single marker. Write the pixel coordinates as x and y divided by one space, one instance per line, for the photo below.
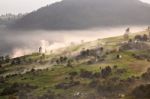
83 14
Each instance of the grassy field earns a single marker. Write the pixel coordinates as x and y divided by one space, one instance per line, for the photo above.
52 74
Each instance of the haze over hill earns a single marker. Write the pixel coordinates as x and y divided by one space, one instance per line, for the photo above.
18 43
76 49
110 68
83 14
107 17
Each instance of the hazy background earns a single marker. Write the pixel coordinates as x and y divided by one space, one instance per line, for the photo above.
24 6
17 43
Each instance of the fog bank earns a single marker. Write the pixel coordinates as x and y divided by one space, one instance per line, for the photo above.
18 43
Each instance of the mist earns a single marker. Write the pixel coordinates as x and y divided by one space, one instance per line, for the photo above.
58 25
19 43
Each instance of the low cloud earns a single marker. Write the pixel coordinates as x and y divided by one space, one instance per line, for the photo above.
18 43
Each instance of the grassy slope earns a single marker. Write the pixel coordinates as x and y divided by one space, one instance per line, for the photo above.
47 79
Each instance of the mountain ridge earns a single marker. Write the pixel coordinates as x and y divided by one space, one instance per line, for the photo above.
83 14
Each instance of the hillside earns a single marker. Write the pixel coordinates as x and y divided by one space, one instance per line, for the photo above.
83 14
8 19
110 68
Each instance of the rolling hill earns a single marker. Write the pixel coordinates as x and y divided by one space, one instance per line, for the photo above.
110 68
83 14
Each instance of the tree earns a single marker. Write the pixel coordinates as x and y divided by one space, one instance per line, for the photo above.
138 37
7 58
0 65
2 59
145 37
16 61
101 49
130 40
127 30
69 63
141 92
106 72
86 74
40 50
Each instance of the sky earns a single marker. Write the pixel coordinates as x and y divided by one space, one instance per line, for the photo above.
146 1
24 6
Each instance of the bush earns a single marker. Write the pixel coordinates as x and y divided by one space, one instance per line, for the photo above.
138 37
141 92
10 90
110 88
69 63
67 85
12 97
94 83
73 73
48 95
96 75
106 72
120 71
146 76
2 80
16 87
86 74
141 38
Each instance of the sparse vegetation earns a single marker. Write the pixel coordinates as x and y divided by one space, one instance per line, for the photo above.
107 71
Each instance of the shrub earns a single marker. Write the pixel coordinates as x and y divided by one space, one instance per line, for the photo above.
96 75
94 83
106 72
73 73
67 85
16 87
141 92
86 74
